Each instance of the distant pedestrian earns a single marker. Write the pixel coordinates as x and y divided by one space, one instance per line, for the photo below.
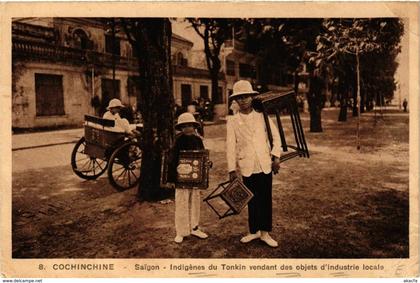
405 104
179 109
187 200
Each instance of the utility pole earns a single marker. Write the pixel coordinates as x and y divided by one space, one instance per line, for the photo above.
113 57
399 96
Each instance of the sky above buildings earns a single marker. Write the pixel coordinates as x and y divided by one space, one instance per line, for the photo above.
184 29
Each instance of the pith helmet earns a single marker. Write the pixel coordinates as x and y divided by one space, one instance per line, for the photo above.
186 118
115 102
242 87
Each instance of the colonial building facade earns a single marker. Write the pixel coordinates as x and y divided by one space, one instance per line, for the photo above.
63 68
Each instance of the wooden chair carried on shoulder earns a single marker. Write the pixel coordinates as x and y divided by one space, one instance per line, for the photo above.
270 103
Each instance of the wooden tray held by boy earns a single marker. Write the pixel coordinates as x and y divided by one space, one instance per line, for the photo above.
192 170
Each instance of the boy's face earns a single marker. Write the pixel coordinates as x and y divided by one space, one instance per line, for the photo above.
188 129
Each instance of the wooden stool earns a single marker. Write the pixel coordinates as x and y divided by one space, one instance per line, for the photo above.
234 194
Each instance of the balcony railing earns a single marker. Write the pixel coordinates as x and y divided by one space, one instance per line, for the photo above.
34 31
28 50
39 51
192 72
106 59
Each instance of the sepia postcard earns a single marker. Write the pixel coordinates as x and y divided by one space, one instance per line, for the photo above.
209 139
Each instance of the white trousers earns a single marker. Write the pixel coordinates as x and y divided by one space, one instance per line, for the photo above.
187 210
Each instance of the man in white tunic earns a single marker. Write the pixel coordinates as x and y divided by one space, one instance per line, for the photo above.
247 142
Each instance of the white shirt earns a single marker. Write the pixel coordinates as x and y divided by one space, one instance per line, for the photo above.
247 143
120 123
247 119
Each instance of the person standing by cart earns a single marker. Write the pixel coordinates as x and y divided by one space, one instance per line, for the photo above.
187 200
247 142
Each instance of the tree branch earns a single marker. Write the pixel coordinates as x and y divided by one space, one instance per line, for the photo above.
196 28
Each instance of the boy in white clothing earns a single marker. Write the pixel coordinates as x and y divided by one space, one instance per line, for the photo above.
187 200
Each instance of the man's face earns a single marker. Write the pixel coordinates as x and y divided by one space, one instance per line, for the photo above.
244 101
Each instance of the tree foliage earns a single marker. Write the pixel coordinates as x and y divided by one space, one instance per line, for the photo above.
374 42
367 41
282 45
214 32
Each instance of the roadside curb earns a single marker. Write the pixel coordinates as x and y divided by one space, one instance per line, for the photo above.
43 145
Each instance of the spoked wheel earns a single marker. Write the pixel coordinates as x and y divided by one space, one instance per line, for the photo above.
124 166
83 165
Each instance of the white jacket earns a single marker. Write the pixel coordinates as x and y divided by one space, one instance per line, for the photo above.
120 124
242 143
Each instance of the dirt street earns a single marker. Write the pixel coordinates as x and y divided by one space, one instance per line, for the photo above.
340 203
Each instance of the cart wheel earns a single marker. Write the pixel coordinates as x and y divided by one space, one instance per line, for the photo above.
83 165
124 166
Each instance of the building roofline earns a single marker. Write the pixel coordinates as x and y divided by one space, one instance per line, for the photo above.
182 39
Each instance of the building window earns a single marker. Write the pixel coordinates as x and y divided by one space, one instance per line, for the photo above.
246 71
204 92
180 60
133 85
186 94
81 40
112 46
230 68
219 97
49 95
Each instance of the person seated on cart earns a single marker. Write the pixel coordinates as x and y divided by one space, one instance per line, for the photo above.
122 124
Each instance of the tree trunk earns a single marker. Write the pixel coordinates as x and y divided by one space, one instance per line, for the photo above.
315 115
362 101
342 116
342 93
214 74
355 111
358 104
155 101
315 101
369 100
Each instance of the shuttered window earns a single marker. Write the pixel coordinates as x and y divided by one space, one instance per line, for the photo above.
246 71
230 68
204 91
112 45
133 85
186 94
219 97
49 95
